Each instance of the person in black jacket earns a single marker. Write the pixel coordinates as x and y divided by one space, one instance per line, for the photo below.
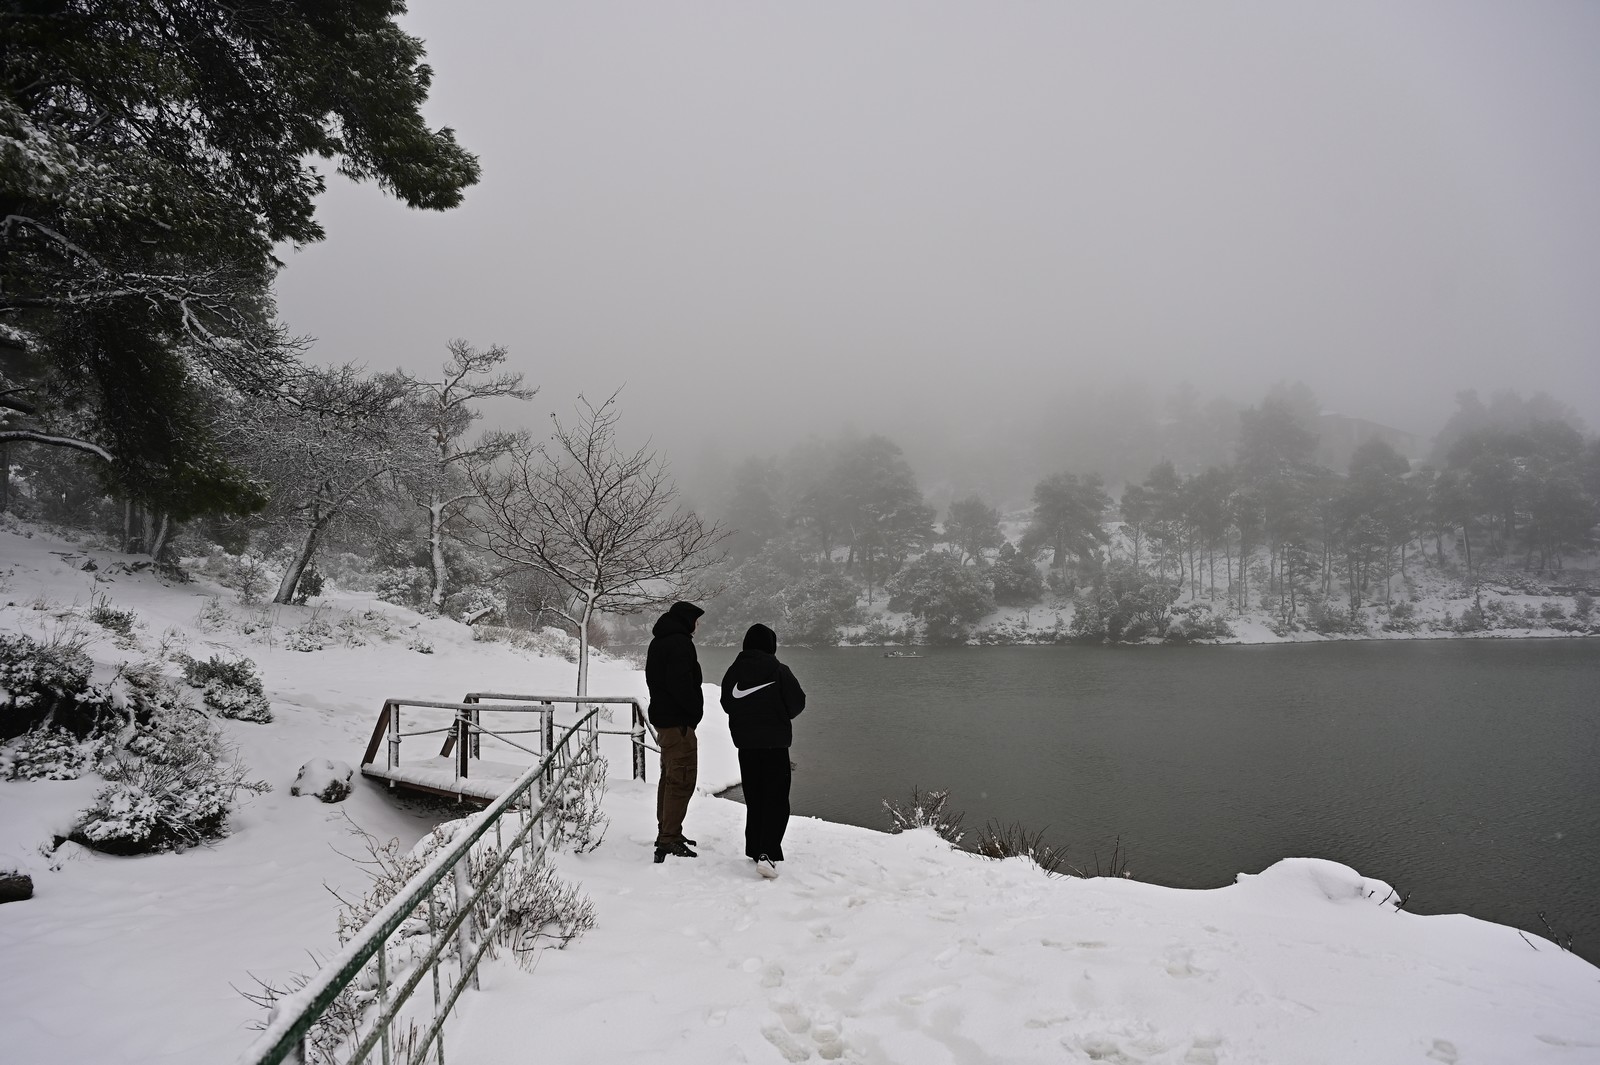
762 698
672 673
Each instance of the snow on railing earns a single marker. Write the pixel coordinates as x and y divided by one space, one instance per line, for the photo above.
471 929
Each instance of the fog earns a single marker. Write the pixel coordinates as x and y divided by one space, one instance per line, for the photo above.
954 223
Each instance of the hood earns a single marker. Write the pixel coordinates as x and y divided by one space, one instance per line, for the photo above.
679 619
761 638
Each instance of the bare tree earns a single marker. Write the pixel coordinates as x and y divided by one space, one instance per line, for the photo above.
326 457
444 483
601 520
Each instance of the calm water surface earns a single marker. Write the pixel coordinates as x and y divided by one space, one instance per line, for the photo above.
1466 773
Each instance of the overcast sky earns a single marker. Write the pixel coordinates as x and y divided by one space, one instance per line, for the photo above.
772 219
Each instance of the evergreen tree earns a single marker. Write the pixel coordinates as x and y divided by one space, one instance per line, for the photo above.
972 527
153 153
1068 517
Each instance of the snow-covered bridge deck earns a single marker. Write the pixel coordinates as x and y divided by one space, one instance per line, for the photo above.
459 770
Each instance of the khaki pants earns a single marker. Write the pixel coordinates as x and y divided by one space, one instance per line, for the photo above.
680 766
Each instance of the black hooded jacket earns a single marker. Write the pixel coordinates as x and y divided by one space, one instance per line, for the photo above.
672 670
760 695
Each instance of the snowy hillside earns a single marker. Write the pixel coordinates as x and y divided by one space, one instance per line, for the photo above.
869 948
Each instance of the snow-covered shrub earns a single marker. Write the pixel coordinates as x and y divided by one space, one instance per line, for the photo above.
1196 621
1328 618
314 635
925 811
1001 841
46 683
1582 604
547 642
47 754
310 585
579 808
231 688
1552 612
1402 618
408 587
245 574
944 595
102 613
1474 619
539 909
421 646
213 616
473 604
1123 605
173 785
325 778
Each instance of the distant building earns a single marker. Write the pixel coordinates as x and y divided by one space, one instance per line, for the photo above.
1339 435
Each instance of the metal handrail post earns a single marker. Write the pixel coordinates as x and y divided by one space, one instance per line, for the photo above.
638 743
463 741
464 941
394 733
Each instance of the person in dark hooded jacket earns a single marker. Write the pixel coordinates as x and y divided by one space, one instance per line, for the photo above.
762 698
677 703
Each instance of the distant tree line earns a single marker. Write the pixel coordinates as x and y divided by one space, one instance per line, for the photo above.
822 533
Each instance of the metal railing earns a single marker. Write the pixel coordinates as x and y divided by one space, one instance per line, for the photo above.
471 929
464 735
638 727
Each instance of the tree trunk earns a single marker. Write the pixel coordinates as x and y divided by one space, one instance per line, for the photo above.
5 477
583 644
436 548
302 559
164 530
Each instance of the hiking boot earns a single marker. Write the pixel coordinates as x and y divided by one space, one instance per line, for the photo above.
766 867
677 850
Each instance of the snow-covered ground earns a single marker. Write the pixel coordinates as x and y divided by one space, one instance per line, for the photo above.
869 948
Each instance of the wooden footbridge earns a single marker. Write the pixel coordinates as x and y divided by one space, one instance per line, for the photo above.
520 732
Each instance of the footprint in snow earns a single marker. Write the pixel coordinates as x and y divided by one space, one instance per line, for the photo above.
1443 1050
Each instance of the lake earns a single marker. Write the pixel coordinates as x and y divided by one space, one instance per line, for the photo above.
1464 772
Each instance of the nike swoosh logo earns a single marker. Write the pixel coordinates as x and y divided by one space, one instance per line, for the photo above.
740 693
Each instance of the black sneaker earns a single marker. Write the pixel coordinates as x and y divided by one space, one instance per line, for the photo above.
677 850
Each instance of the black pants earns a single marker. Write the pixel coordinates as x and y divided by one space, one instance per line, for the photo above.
765 773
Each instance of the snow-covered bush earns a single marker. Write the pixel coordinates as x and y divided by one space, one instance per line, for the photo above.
246 574
47 754
473 604
539 909
578 807
925 811
1196 621
173 784
1330 619
47 683
102 613
310 585
314 635
945 595
213 616
409 587
549 642
325 778
1123 605
231 688
1402 617
1582 604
